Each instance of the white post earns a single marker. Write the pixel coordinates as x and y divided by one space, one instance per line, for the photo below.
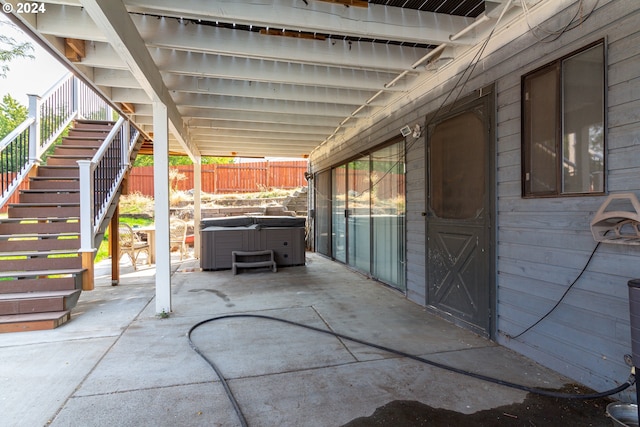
124 143
197 190
86 206
34 129
161 195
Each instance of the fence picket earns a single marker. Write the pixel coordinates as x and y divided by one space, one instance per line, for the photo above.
227 178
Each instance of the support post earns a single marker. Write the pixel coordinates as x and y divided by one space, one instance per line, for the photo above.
86 205
125 140
161 196
34 129
88 281
114 246
86 223
197 196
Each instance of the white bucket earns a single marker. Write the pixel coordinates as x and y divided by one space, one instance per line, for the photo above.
623 414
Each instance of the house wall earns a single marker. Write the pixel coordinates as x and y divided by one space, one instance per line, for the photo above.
542 244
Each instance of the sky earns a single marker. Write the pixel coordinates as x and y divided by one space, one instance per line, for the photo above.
28 76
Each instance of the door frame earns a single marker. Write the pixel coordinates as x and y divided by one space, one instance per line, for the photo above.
485 97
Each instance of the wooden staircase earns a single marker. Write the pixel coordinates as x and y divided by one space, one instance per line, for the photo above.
40 267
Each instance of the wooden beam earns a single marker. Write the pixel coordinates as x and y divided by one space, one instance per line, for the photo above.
128 107
74 49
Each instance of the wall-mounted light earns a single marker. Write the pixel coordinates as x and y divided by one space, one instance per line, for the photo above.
416 131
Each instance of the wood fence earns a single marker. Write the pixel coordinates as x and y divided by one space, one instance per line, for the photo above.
216 179
226 178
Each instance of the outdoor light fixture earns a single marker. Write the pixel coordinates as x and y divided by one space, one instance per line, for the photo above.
416 131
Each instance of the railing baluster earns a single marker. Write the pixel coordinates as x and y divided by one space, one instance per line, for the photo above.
48 118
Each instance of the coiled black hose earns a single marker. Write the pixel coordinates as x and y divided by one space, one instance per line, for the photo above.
630 381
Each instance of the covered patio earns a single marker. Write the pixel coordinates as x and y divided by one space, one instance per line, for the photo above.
118 363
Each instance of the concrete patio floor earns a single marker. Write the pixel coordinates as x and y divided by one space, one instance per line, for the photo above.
117 363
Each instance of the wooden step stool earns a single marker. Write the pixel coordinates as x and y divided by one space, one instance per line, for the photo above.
270 262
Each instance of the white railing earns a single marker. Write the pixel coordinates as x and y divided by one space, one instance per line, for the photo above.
101 177
48 118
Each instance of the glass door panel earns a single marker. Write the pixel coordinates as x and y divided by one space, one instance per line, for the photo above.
322 188
388 215
358 214
338 213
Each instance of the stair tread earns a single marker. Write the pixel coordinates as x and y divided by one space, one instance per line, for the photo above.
39 253
41 204
38 294
50 190
33 317
38 235
68 156
62 272
96 122
81 137
54 178
40 219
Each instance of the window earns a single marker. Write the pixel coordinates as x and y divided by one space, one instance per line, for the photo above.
563 126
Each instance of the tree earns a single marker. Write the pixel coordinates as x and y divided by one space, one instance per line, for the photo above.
11 49
147 160
12 113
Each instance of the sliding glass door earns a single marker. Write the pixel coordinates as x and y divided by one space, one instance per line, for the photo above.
366 229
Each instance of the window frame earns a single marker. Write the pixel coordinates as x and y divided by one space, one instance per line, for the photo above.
556 67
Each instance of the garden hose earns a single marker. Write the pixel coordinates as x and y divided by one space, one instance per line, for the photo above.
630 381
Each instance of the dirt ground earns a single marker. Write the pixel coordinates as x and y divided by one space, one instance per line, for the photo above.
535 411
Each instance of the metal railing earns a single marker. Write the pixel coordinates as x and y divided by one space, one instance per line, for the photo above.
47 119
49 116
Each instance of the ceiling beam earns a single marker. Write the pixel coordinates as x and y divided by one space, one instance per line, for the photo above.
261 105
247 142
250 135
171 33
376 21
253 117
112 17
115 78
102 55
215 125
264 90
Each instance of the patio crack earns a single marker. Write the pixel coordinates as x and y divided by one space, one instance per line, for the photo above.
344 345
